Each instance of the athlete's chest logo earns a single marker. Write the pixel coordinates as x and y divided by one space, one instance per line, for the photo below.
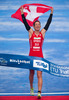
37 39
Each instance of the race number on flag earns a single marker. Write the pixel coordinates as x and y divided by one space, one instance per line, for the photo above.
31 12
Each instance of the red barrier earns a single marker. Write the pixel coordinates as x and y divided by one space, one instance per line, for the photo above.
34 98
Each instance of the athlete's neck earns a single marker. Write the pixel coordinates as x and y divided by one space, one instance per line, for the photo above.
36 32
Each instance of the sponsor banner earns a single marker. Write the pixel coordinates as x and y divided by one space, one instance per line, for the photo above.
40 64
33 63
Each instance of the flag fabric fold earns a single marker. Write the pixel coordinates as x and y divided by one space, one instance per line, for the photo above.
31 12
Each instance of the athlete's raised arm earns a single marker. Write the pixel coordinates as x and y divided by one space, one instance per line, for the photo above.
47 24
28 28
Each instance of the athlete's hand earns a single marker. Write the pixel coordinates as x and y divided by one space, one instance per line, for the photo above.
21 9
52 10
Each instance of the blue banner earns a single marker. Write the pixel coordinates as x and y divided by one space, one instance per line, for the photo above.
33 63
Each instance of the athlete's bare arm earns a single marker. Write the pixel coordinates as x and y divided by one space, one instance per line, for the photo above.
43 31
29 29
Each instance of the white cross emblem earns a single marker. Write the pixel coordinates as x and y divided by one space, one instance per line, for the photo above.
33 14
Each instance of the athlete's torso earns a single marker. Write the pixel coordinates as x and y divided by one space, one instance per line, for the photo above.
36 42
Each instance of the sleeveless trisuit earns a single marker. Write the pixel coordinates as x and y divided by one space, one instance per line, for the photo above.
36 42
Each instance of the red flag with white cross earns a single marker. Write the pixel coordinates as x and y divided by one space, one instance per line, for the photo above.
31 12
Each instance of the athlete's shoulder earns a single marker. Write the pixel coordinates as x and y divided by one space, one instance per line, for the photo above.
31 34
30 31
41 35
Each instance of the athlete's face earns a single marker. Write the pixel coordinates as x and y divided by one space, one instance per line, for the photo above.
37 26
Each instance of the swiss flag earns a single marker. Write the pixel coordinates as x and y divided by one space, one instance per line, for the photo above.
31 12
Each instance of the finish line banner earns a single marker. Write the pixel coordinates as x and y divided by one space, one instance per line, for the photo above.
33 63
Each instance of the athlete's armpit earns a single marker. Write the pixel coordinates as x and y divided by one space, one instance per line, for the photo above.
30 32
43 31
